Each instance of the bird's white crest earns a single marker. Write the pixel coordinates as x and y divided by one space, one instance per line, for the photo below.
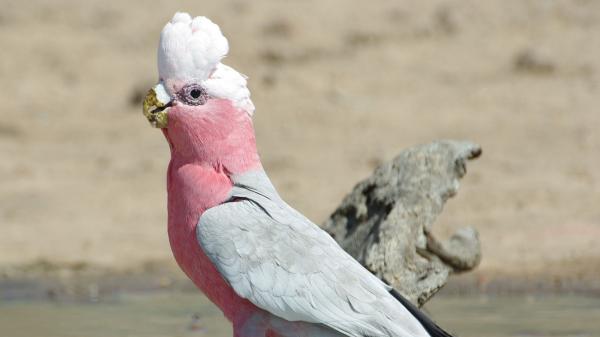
190 50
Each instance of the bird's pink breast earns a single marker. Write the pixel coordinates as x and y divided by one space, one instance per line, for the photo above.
208 143
192 190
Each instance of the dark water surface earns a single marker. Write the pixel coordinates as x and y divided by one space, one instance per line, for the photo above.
190 314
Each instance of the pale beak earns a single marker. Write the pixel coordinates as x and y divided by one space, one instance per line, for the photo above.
156 106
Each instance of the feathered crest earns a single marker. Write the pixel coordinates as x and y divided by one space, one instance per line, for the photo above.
190 49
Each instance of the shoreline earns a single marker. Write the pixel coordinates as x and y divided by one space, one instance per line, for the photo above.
48 282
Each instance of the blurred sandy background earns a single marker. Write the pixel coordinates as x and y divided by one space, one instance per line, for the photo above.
339 87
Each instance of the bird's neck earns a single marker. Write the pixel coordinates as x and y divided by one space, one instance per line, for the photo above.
205 152
220 135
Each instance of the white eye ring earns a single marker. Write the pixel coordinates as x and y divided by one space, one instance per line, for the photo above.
192 94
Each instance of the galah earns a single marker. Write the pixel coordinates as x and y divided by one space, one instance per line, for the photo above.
269 269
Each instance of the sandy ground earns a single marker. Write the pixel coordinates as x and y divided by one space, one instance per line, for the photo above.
339 87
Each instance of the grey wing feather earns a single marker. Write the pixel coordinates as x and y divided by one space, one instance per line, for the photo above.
283 263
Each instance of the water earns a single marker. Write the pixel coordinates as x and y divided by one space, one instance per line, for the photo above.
184 314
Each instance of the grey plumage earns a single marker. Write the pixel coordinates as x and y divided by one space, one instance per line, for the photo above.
275 257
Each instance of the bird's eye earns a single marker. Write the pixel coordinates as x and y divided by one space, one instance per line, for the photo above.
192 94
195 93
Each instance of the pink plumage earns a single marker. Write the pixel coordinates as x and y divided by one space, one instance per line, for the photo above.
208 143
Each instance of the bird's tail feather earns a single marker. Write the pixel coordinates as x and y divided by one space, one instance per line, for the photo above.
433 329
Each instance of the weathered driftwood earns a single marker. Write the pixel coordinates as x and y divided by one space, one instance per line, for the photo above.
385 221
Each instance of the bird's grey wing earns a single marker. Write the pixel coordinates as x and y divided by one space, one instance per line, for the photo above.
283 263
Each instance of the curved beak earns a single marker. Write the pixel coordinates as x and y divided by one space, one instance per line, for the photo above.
156 106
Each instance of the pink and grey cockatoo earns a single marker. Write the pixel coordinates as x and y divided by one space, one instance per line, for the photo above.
272 271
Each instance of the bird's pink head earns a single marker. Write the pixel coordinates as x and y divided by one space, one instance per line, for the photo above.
202 105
